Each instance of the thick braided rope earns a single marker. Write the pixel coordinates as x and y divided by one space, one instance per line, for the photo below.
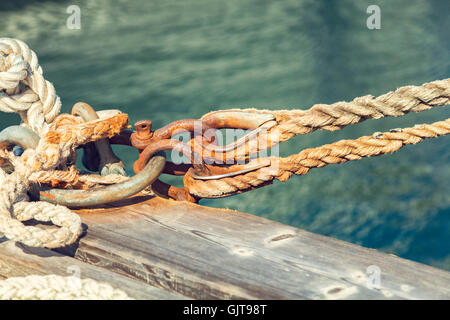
65 135
56 178
13 210
340 114
53 149
73 179
300 164
53 287
37 103
24 90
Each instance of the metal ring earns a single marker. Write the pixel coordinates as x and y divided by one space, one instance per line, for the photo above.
160 188
112 193
20 136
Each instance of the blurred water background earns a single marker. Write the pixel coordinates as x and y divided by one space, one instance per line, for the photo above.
166 60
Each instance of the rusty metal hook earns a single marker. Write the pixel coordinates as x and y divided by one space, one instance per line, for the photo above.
201 149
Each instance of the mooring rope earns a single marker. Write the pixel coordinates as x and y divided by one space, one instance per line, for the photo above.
38 104
24 90
74 179
54 148
339 152
290 123
332 117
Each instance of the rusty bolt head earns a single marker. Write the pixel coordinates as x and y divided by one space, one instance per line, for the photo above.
143 134
143 129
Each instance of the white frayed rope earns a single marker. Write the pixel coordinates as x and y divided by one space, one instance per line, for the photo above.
23 90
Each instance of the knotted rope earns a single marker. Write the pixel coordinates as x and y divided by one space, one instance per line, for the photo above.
37 103
54 148
24 90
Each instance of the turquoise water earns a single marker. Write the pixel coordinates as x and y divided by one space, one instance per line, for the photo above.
166 60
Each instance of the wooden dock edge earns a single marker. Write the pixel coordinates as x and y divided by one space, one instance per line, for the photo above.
154 248
17 260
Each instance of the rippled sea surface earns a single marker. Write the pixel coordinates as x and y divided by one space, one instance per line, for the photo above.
166 60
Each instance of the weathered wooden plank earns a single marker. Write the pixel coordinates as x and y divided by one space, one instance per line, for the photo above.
17 260
203 253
